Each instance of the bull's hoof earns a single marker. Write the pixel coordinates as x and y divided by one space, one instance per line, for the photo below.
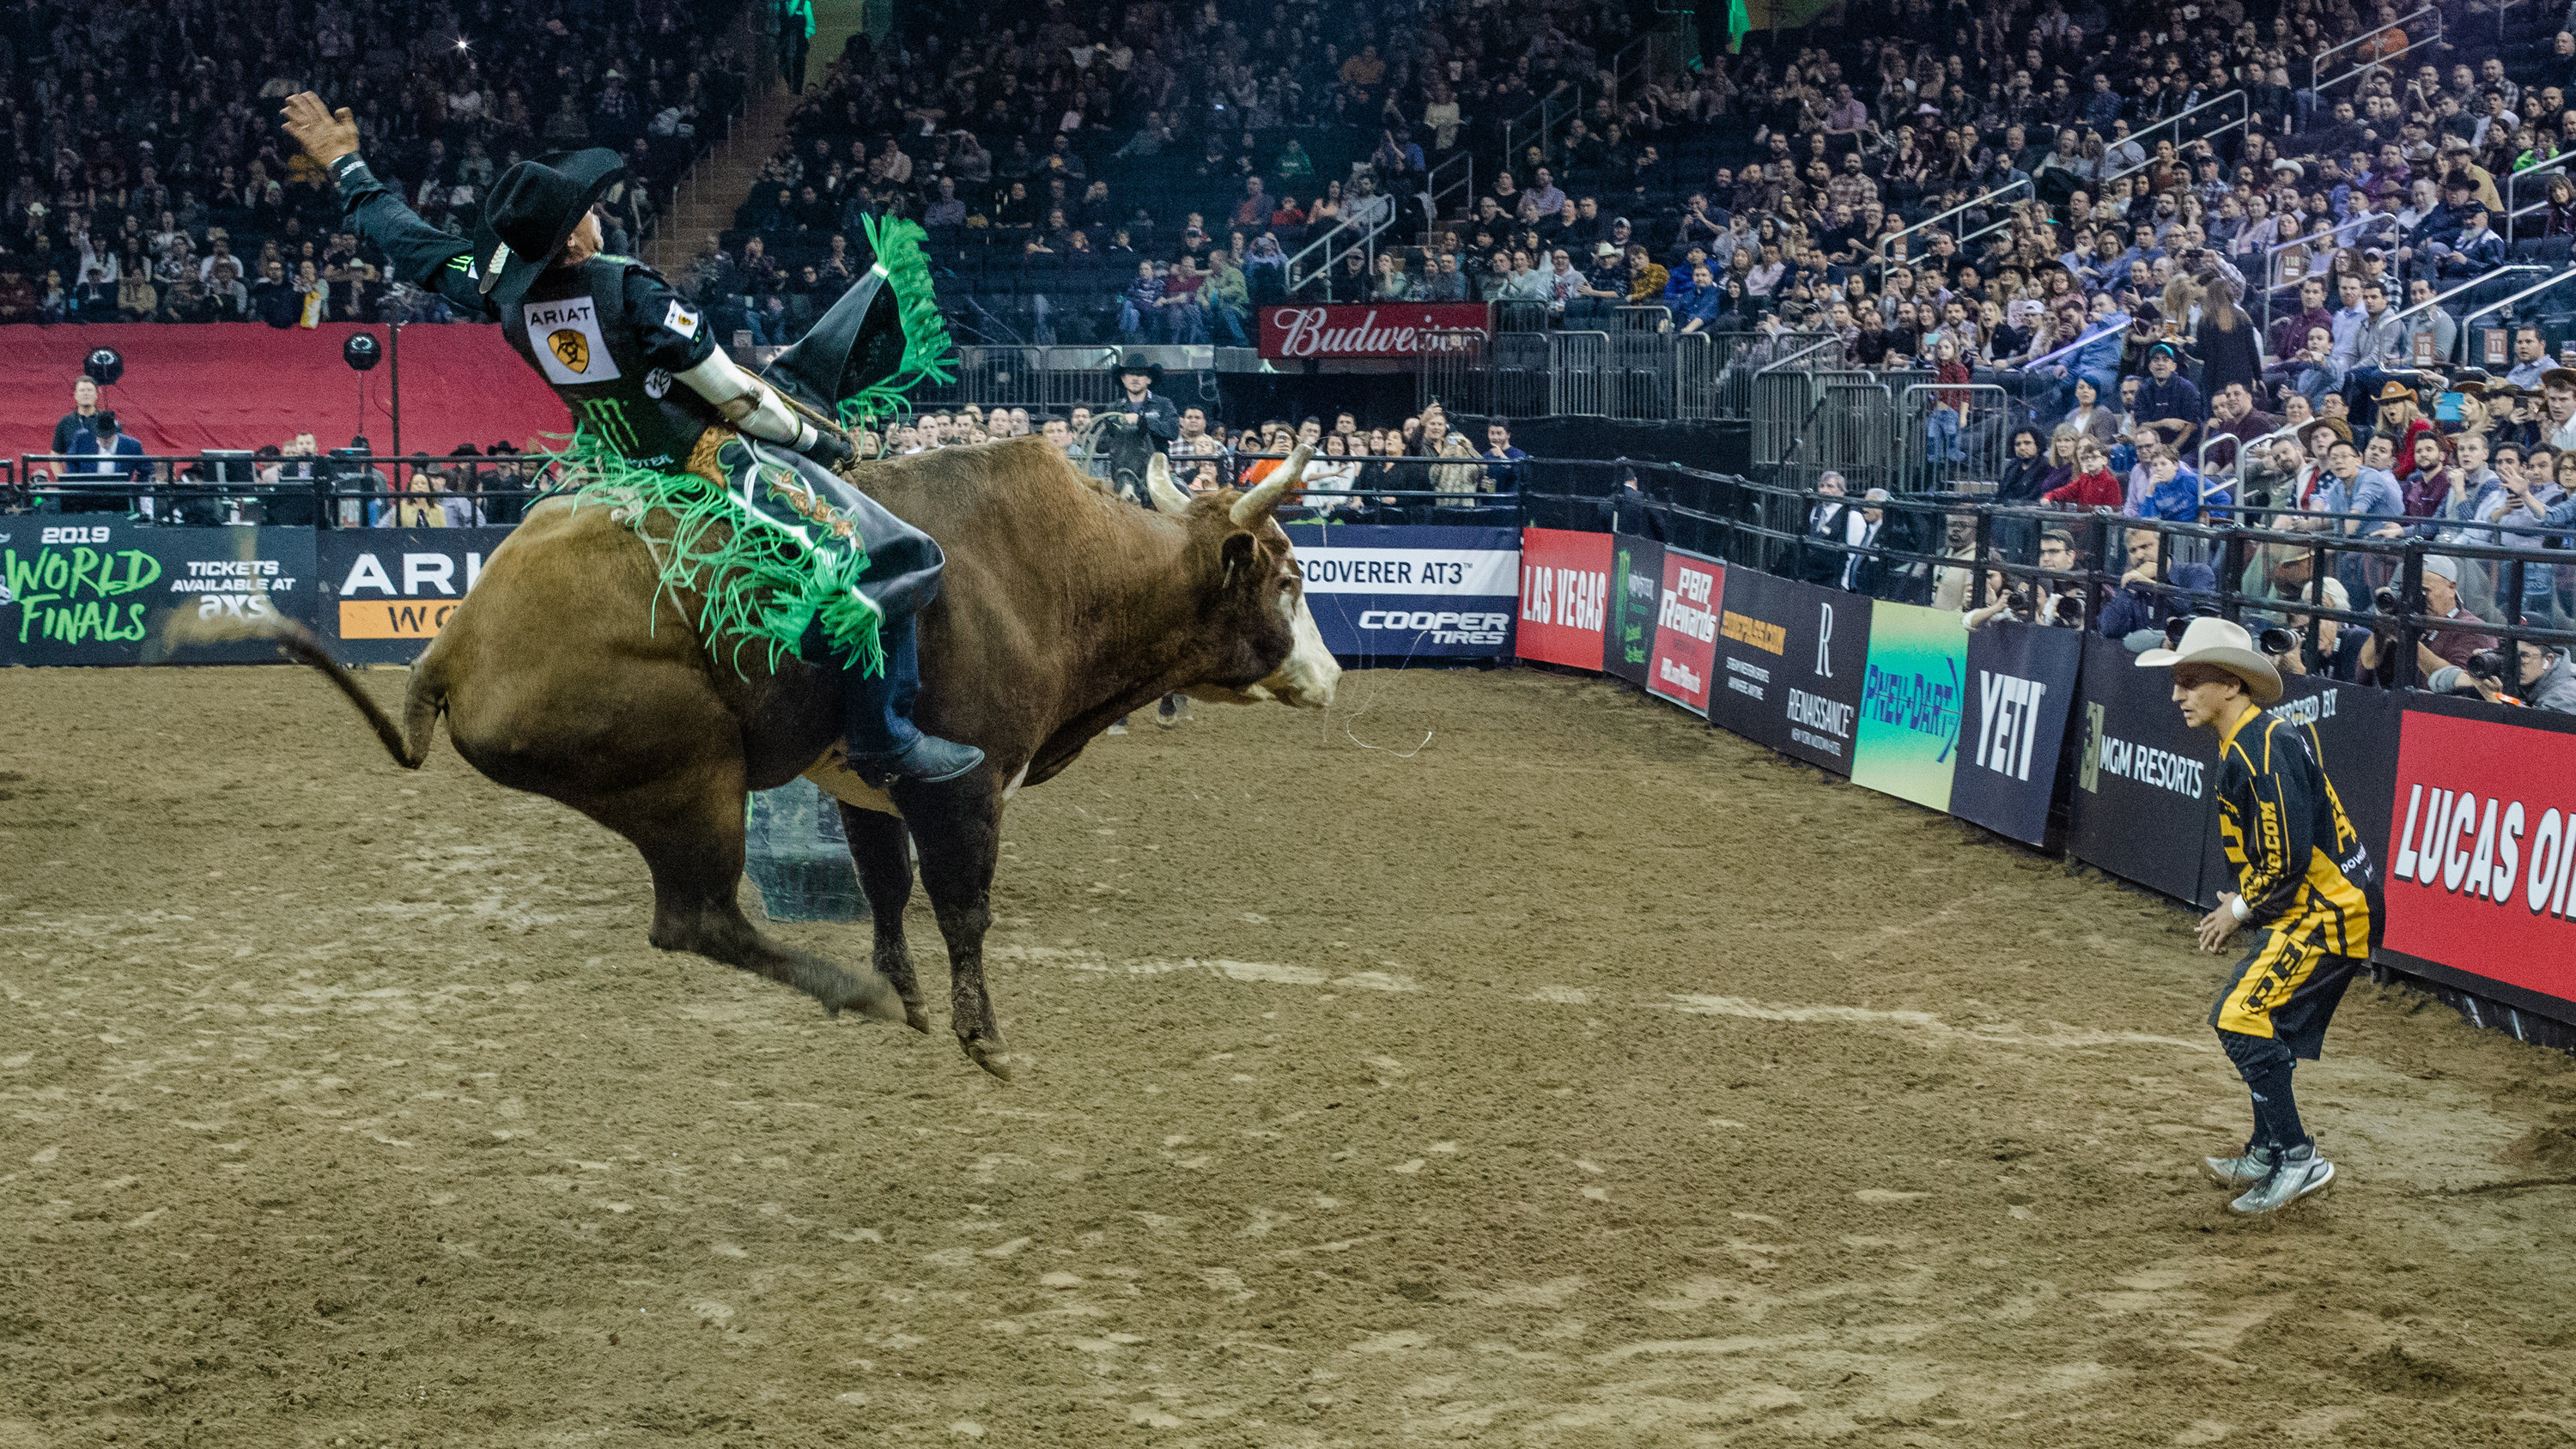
988 1052
872 996
916 1018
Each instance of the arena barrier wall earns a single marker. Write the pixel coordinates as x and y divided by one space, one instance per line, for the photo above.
1402 591
107 591
2471 806
385 592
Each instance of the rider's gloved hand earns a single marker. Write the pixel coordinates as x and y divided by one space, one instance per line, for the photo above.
828 449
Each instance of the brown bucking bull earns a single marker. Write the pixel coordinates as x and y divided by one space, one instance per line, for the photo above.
1063 609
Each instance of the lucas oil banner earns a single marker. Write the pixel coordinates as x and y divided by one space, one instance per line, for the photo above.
107 592
1391 591
386 592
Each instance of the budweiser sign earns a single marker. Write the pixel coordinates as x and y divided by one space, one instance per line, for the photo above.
1394 330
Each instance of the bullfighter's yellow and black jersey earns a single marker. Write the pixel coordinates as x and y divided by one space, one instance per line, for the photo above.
2304 872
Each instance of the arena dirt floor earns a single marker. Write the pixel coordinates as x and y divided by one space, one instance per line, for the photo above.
1501 1059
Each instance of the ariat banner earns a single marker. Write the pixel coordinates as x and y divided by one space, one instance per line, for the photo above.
386 592
1685 629
2145 803
1565 596
107 592
1911 696
2480 865
1411 592
1789 664
1636 587
2012 725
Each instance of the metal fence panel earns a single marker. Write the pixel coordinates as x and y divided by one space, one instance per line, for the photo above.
1640 384
1695 392
1449 369
1578 374
1955 436
1517 381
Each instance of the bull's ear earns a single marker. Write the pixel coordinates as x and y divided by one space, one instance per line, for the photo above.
1238 555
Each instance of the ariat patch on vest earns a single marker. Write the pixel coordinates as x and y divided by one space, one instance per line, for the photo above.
569 346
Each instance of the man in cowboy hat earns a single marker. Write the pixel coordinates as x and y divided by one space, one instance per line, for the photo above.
1152 421
612 339
2304 878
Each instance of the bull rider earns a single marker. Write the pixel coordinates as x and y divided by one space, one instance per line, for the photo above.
781 547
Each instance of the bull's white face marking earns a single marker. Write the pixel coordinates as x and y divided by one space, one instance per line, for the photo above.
1305 679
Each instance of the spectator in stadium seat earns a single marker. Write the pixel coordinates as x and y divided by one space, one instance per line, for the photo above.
2439 646
2546 680
2133 610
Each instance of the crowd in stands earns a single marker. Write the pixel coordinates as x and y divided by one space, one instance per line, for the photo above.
149 181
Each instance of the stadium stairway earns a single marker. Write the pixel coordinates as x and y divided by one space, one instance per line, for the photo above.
716 185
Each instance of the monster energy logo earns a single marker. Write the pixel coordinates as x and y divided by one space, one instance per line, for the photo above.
607 415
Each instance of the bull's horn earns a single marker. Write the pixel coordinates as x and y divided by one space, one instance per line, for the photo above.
1159 486
1254 506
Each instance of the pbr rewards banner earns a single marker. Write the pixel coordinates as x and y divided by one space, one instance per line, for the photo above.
2480 869
1789 664
1685 629
2012 725
107 592
2145 802
1429 591
387 591
1636 586
1565 596
1910 700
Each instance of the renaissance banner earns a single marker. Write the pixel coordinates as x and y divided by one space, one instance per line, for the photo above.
1685 629
1393 329
386 592
1789 664
108 592
2145 801
1911 695
2480 868
1409 592
2012 725
1565 596
1636 583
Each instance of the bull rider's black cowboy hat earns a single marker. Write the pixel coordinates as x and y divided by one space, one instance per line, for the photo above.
531 213
1153 370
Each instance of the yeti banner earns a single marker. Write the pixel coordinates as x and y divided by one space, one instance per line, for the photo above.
2020 686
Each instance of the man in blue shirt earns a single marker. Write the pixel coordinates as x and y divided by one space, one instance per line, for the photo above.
2168 403
103 440
1498 447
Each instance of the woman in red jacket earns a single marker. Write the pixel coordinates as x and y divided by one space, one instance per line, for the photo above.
2094 487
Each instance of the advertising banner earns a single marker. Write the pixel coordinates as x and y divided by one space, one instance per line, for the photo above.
1685 629
1565 596
2479 866
2145 803
1789 664
107 592
1423 591
387 591
1910 699
1391 329
1636 586
2012 725
2356 742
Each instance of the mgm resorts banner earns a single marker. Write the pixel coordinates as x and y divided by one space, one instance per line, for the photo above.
387 591
1685 629
1565 596
108 592
2012 724
2480 869
1789 663
2145 803
1636 587
1912 692
1419 591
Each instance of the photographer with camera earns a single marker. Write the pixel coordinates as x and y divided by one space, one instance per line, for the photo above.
2134 610
2442 645
2548 680
2050 603
2481 678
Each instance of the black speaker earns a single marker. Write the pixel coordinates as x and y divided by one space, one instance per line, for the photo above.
362 351
104 366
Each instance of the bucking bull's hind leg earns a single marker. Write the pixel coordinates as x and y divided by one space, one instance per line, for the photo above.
880 846
958 827
691 833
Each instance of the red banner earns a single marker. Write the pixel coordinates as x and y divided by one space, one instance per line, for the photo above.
1565 586
2482 849
1392 329
1686 630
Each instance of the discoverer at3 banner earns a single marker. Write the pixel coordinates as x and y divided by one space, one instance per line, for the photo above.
1406 592
1685 629
2482 857
1789 665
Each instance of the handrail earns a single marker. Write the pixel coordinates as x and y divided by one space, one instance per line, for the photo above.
1775 366
1548 117
1367 243
1892 237
1433 187
2516 297
2367 36
2476 281
2138 138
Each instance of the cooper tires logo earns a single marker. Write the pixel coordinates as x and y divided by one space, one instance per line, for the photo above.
1442 626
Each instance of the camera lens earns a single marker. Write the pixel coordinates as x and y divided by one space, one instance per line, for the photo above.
2277 640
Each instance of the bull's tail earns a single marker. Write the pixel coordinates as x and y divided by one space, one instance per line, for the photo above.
407 742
